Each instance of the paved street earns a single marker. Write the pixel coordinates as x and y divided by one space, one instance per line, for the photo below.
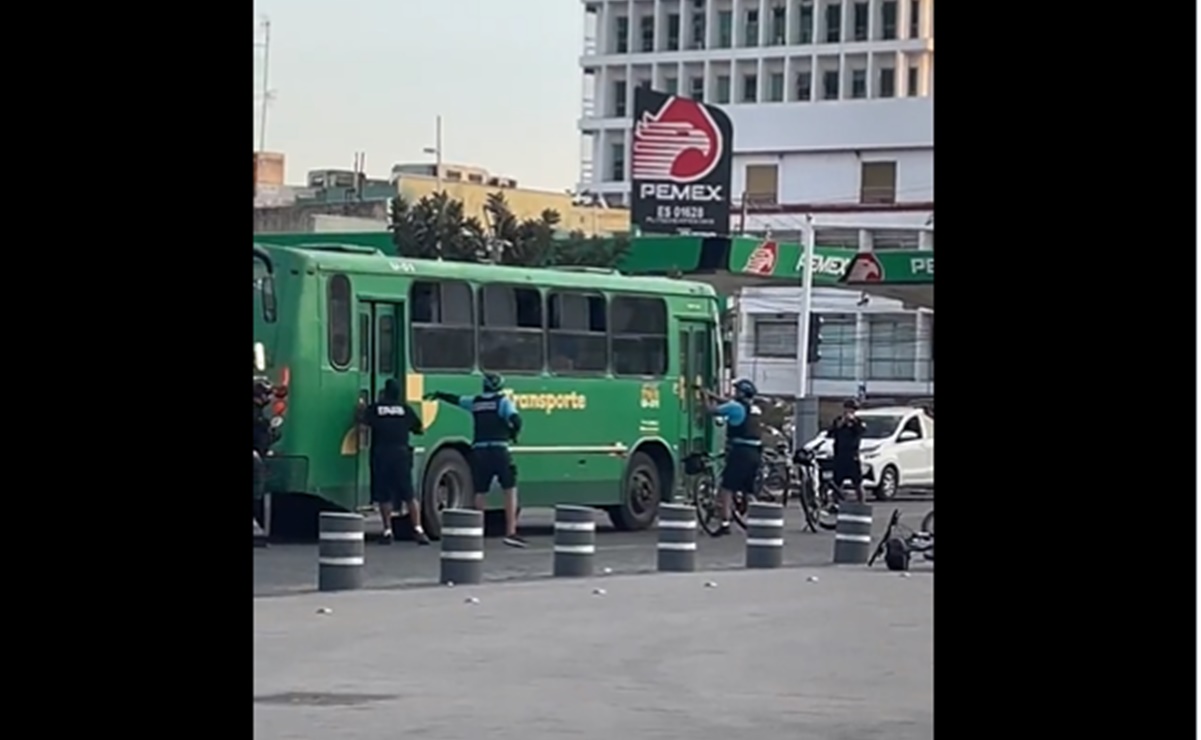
803 654
290 569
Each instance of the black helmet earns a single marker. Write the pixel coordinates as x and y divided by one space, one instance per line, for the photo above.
493 382
850 403
744 388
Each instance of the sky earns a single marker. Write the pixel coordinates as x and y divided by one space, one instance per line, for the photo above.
372 75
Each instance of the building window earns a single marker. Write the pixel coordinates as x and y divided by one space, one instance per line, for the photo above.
837 348
671 85
644 84
833 24
915 18
888 82
913 82
723 89
577 335
888 20
646 28
696 88
750 34
475 178
619 98
617 161
858 83
511 329
443 329
725 29
750 88
830 85
860 22
639 336
804 86
891 347
878 182
775 336
673 32
806 23
621 33
779 26
761 185
775 87
698 30
338 307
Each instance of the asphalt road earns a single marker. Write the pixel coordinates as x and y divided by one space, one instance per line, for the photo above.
290 569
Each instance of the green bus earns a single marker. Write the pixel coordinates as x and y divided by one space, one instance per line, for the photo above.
600 365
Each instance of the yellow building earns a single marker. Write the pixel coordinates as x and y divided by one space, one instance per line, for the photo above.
472 186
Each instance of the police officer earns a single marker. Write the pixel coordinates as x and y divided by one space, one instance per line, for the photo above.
743 446
391 422
496 423
846 432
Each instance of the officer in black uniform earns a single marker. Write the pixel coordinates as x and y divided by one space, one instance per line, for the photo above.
847 431
496 424
391 422
744 446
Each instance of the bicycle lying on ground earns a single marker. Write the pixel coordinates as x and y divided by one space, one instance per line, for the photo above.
701 469
899 542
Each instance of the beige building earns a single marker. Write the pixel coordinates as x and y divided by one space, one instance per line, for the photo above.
473 185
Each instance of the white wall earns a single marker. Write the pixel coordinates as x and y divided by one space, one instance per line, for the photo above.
889 123
833 177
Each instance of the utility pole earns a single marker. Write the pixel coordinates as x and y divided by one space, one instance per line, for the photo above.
436 150
266 93
806 308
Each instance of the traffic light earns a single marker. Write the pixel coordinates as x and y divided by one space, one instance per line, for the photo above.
814 353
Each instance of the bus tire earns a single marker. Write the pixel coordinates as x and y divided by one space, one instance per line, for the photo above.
641 492
449 466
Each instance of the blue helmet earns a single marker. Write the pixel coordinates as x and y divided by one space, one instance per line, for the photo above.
493 382
745 389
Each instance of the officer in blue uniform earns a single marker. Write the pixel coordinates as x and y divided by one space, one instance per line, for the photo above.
743 446
496 424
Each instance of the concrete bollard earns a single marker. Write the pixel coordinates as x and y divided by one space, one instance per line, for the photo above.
853 534
462 546
677 538
575 540
340 548
764 535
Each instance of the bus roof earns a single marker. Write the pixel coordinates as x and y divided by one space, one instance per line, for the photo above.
364 260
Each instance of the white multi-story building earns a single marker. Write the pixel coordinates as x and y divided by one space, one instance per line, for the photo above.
831 102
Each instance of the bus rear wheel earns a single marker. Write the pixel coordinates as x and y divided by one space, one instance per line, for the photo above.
447 485
640 496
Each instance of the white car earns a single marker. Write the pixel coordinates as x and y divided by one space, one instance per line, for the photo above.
896 452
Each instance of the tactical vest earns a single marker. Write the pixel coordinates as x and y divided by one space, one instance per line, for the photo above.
489 426
747 432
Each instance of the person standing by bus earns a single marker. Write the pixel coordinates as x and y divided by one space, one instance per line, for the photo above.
496 423
391 422
743 446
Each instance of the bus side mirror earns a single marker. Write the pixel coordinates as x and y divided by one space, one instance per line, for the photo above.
260 357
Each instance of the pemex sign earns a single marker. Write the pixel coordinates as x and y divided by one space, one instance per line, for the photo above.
831 265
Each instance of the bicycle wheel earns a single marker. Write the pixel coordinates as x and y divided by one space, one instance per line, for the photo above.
928 522
827 506
808 500
739 508
704 497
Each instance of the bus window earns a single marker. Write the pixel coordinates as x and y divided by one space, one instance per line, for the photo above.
511 335
639 328
578 334
443 332
387 345
365 342
338 312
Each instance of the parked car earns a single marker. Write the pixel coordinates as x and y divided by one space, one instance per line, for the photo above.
897 451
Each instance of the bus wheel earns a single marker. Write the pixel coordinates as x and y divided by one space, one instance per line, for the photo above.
447 485
639 496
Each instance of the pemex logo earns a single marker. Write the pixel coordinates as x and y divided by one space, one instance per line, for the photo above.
762 259
679 143
865 268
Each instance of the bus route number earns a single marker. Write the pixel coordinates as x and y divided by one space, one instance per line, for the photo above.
675 213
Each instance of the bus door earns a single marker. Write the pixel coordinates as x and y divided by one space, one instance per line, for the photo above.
696 368
381 356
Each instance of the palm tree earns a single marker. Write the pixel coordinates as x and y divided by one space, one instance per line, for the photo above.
435 228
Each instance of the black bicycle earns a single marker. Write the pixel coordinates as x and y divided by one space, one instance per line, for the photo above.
899 542
701 469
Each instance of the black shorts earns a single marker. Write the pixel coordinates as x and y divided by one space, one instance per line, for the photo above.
848 470
488 463
392 478
742 469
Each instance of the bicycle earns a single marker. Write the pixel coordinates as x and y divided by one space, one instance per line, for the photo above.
804 462
898 549
703 486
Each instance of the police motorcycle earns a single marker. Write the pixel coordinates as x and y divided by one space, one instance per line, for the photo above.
266 434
